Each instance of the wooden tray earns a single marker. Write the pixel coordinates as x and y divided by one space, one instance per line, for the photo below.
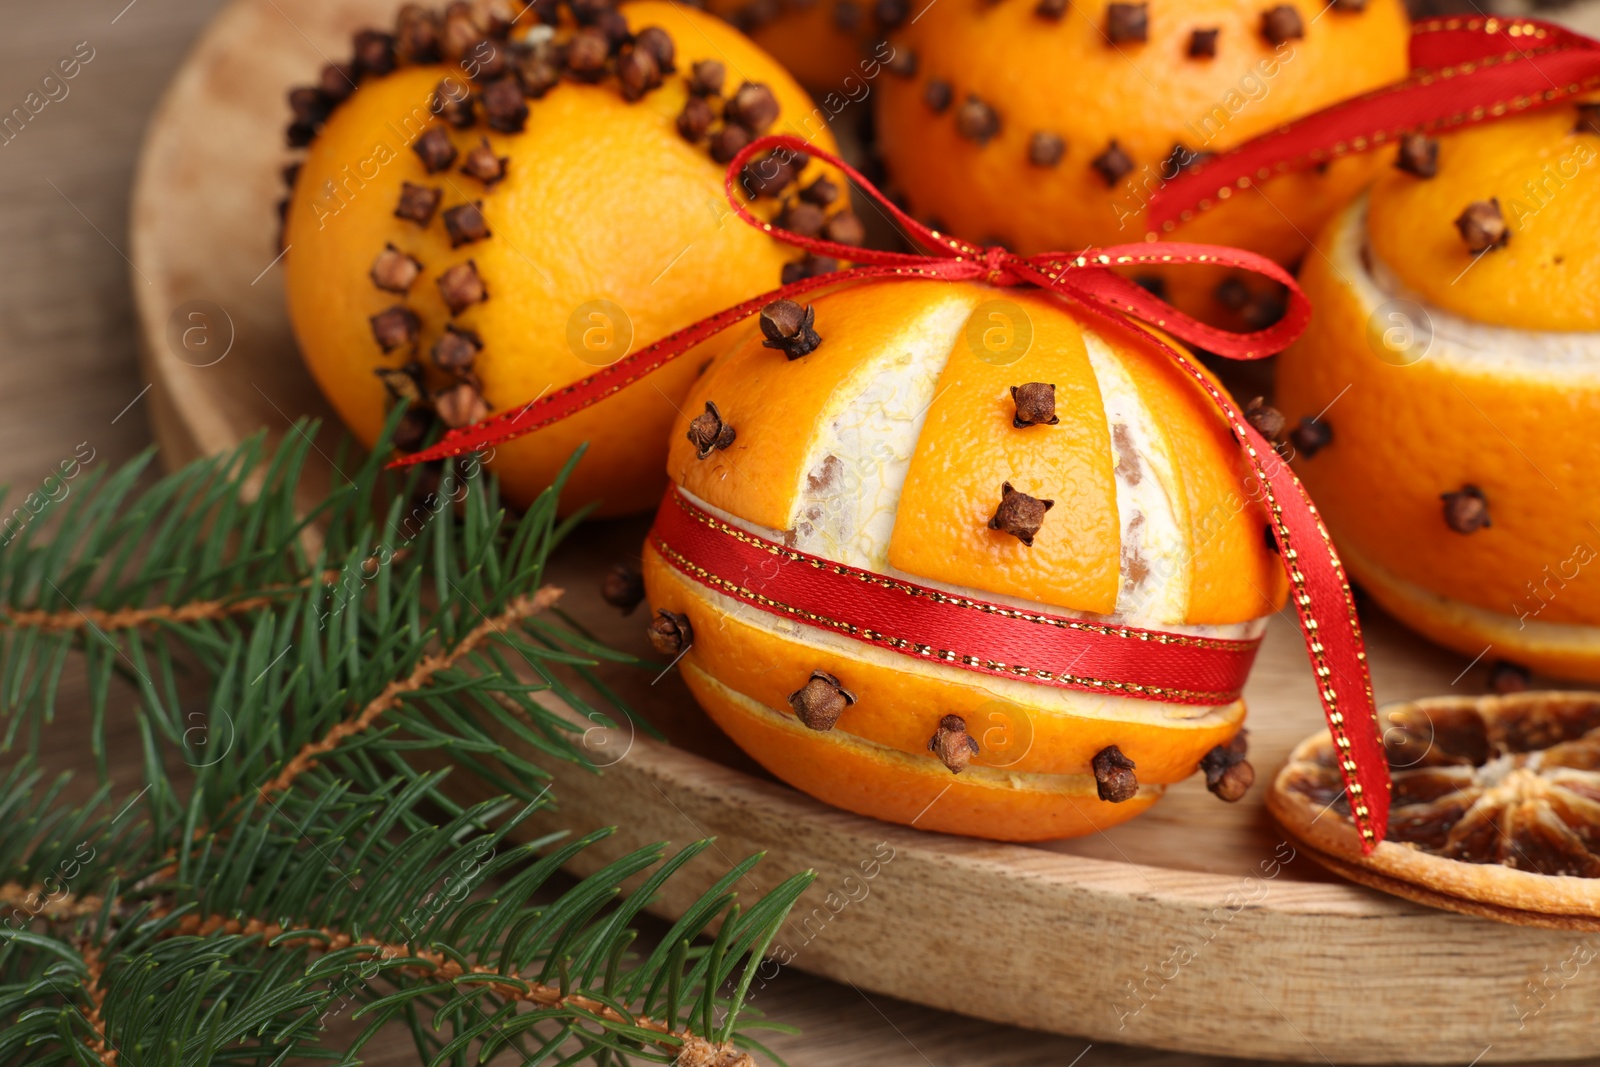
1080 937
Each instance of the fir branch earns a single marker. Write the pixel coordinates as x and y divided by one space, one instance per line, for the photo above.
215 920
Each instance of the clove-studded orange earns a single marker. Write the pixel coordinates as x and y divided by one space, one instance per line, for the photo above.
1451 379
991 444
1043 124
495 203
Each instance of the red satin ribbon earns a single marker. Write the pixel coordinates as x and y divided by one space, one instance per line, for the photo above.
1464 71
923 622
1318 587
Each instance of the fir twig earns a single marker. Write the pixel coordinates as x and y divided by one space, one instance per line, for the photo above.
304 864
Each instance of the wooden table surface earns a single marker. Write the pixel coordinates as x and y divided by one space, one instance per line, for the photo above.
69 377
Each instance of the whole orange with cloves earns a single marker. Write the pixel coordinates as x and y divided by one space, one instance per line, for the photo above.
1046 125
994 447
1444 400
496 201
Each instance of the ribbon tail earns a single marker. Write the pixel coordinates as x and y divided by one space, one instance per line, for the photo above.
1318 587
1326 608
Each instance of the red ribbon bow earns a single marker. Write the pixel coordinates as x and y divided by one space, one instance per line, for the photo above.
1319 591
1464 71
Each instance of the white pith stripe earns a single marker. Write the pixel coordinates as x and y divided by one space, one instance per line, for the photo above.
1032 781
859 458
1145 512
1457 342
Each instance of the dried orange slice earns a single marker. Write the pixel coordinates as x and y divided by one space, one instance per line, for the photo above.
1495 812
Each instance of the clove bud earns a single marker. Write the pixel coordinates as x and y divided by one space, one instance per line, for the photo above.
1466 510
819 703
395 327
1019 514
623 588
1482 226
1419 155
670 633
461 287
1228 774
1113 775
708 433
1036 404
788 328
394 271
952 744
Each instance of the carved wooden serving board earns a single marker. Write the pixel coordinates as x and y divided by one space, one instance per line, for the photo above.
1194 927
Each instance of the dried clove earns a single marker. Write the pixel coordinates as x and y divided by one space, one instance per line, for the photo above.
1114 779
434 149
706 78
1203 43
587 54
456 348
903 64
412 433
1311 436
847 16
752 106
465 223
453 104
1232 293
504 108
1113 164
819 703
1268 420
891 13
655 42
1127 22
1046 149
460 405
394 271
670 633
1482 226
373 52
1281 24
416 37
807 220
1036 404
977 121
623 588
637 73
461 287
1507 677
481 163
1019 514
845 228
1228 774
417 203
694 120
937 95
1051 9
952 744
395 327
708 433
821 192
1588 119
401 383
1419 155
788 327
728 142
808 266
1466 510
